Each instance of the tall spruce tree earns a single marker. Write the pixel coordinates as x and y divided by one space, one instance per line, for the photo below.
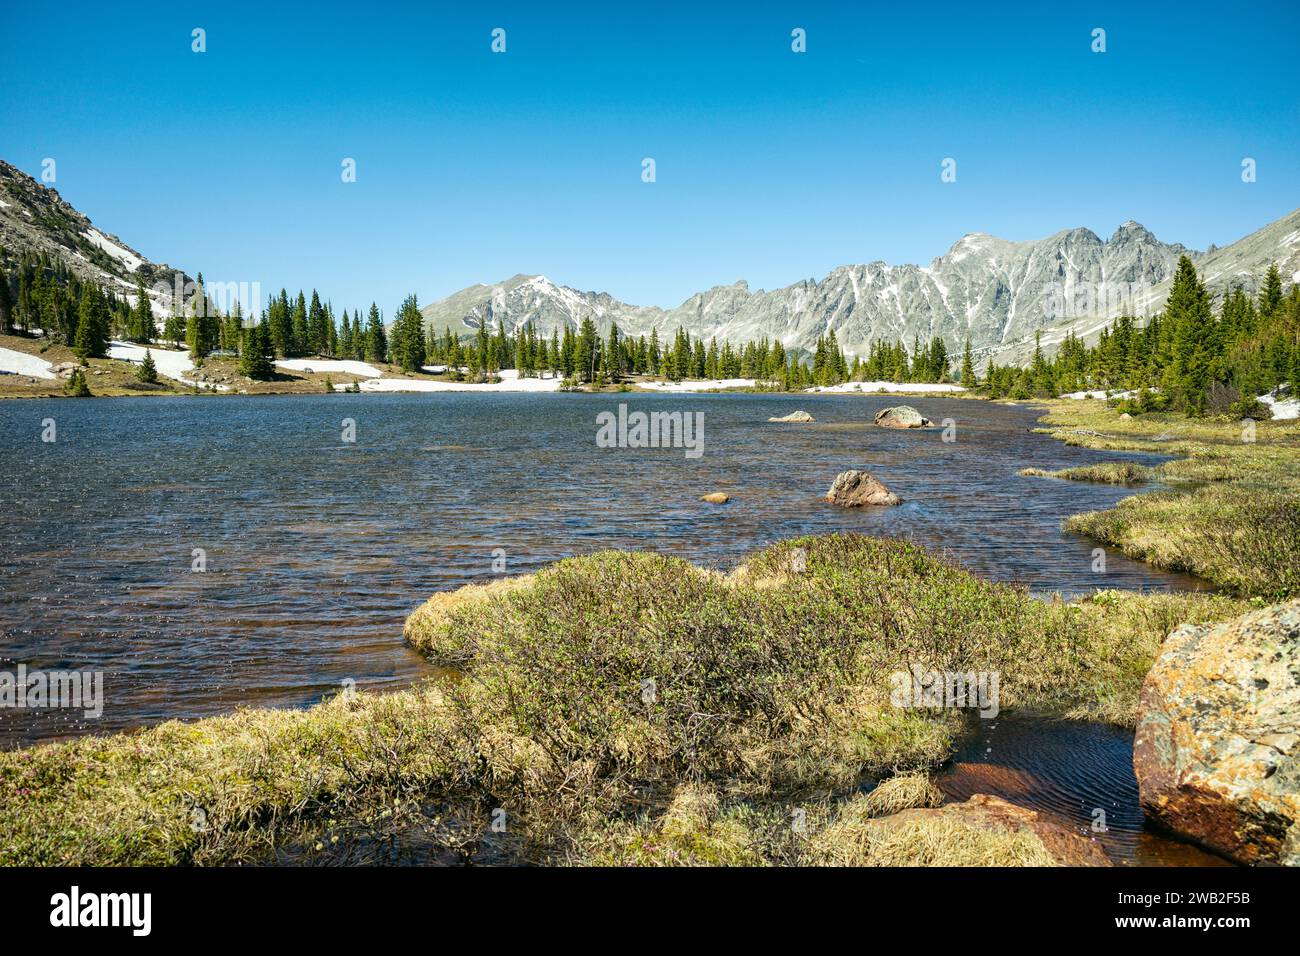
257 354
376 339
6 305
141 326
91 339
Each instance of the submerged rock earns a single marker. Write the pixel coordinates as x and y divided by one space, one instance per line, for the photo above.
902 416
853 489
716 498
800 416
1217 753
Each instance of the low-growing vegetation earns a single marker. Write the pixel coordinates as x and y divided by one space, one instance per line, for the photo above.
1106 472
615 708
1232 514
856 836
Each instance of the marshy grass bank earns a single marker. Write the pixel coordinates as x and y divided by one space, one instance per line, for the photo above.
621 707
1232 512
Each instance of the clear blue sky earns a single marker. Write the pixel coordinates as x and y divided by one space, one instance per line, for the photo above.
772 166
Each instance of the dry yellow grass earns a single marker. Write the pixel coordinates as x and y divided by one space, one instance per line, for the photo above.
857 837
906 791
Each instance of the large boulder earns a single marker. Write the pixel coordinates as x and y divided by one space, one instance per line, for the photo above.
853 489
902 416
799 416
1217 753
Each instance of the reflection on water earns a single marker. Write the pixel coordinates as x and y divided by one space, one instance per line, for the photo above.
1072 772
316 550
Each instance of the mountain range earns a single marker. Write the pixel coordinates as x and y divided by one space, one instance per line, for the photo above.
1000 293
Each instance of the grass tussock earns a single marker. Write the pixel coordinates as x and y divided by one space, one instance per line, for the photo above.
1234 516
907 791
857 837
220 789
619 707
1106 472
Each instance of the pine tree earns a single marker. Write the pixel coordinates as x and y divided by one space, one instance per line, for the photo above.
317 327
614 355
1270 297
376 339
568 360
280 320
967 366
91 339
408 336
6 305
147 372
76 385
1188 314
587 350
141 327
257 354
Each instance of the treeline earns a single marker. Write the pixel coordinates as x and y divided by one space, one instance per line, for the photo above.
47 296
1188 358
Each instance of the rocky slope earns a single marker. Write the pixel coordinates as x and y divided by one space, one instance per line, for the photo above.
998 292
34 218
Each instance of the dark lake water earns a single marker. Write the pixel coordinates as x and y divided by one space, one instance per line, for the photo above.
1077 774
316 549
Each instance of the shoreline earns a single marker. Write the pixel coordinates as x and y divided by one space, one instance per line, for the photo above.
312 376
401 745
409 745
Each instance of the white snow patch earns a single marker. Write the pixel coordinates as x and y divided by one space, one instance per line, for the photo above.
700 385
1283 408
887 387
20 363
170 364
1098 394
349 366
510 382
128 259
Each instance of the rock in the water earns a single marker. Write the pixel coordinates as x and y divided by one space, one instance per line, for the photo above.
800 416
1217 753
852 489
902 416
716 498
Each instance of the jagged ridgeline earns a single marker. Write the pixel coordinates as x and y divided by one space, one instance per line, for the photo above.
995 292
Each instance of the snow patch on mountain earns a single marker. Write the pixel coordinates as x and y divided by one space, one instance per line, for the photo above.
124 256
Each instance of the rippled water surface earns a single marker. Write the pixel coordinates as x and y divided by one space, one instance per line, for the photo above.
1077 774
316 549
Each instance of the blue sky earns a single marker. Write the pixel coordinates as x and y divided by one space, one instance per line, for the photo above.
771 166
